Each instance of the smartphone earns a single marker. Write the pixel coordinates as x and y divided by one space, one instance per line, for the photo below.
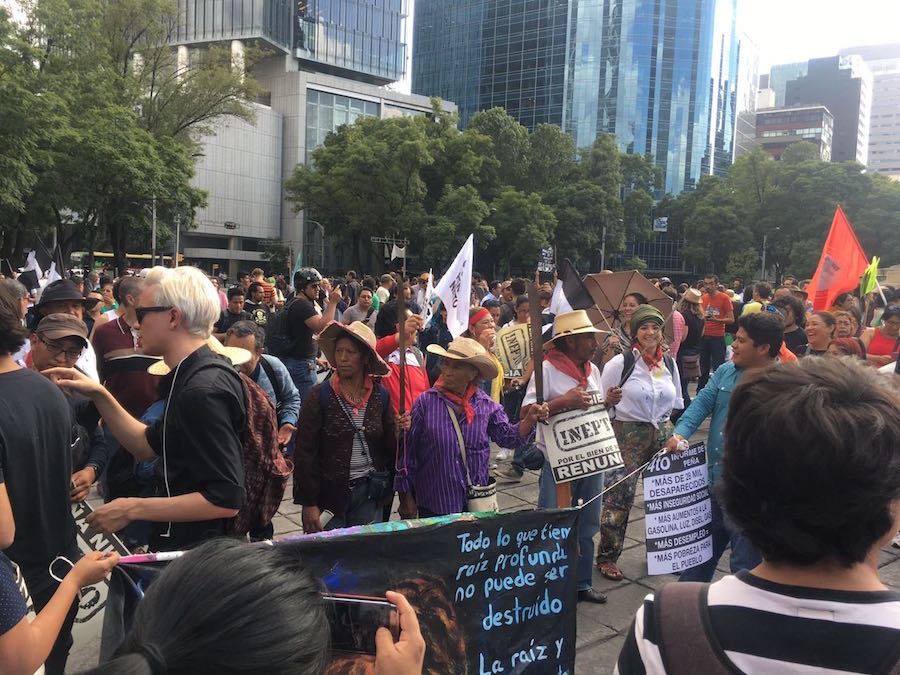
354 620
325 518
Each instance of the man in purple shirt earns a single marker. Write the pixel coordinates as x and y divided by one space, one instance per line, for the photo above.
432 479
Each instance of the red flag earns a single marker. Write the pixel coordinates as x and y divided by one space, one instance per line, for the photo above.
841 265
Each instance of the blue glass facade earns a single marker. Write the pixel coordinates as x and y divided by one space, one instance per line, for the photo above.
661 75
214 20
362 37
487 53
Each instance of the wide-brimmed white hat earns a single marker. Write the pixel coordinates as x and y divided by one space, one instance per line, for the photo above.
362 334
467 350
236 355
572 323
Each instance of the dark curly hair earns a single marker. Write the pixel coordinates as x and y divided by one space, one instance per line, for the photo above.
812 461
12 332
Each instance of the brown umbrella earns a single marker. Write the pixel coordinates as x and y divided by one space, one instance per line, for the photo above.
609 290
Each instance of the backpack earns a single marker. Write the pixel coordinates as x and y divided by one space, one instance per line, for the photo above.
278 332
628 366
266 470
681 610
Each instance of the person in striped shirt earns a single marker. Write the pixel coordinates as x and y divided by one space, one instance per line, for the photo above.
812 476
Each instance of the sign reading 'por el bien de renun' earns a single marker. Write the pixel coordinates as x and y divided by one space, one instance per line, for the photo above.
581 443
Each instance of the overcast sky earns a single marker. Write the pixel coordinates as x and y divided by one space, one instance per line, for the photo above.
796 30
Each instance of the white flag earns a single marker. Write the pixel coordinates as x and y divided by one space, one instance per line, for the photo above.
31 264
559 303
398 252
53 275
455 290
427 302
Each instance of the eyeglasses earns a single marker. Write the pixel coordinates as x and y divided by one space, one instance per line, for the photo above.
142 312
56 349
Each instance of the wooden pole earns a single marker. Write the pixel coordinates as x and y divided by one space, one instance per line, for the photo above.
401 344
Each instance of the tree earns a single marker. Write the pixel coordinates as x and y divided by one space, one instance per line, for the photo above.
366 179
713 229
803 151
551 159
743 264
278 255
511 146
523 225
460 212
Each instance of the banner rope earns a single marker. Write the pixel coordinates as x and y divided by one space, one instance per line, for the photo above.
659 453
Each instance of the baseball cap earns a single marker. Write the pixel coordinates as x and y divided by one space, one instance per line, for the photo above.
58 326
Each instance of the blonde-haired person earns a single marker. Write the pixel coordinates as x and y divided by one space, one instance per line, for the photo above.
198 439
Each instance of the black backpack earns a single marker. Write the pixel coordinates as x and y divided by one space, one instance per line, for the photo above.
278 332
628 366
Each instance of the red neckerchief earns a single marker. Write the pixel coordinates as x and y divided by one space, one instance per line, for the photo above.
367 392
655 359
567 366
464 402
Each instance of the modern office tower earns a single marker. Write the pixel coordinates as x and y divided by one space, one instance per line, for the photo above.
331 63
884 128
780 75
843 84
747 96
777 128
661 76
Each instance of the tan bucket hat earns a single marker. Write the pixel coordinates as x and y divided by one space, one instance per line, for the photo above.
236 355
467 350
359 332
572 323
693 296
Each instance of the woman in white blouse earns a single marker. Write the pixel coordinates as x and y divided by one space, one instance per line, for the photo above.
651 388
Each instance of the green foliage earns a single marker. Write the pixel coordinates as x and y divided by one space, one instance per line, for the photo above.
743 264
278 255
523 225
634 263
105 121
511 146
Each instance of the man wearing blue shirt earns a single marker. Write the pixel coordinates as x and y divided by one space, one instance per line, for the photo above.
756 345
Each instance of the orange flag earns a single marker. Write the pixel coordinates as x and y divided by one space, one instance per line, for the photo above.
841 265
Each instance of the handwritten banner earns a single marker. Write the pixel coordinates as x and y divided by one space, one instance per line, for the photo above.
493 593
678 511
513 346
581 443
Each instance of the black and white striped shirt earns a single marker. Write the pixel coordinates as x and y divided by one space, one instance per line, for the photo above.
764 627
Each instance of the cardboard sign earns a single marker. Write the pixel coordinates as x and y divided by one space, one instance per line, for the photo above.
581 443
545 264
493 593
513 347
679 513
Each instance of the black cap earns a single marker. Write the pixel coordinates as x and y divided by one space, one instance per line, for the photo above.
59 291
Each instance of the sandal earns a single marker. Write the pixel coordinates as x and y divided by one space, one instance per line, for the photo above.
611 571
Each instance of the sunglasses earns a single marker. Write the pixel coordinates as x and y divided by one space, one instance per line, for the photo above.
56 349
142 312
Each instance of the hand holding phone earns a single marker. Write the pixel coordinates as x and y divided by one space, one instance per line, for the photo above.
406 655
355 619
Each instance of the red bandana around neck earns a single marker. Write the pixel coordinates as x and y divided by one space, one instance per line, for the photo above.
653 360
356 406
463 402
567 366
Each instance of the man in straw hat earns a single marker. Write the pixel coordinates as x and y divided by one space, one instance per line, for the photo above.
569 380
345 435
198 439
433 464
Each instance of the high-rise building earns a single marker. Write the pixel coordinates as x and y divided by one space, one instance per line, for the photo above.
747 96
661 76
778 128
331 64
884 128
843 84
780 75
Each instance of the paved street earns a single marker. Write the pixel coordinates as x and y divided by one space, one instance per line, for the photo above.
601 628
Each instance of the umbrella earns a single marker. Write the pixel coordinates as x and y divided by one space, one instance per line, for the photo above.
609 290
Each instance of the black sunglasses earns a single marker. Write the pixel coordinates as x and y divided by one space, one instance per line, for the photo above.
142 312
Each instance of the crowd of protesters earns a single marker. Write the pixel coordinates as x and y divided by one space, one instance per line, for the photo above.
145 388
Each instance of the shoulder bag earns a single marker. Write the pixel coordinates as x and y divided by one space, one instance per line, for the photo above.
479 498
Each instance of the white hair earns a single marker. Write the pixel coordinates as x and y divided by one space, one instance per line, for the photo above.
191 291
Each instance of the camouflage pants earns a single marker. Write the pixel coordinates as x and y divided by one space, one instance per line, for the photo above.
638 442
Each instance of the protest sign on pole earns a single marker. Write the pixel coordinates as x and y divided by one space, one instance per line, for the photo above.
514 349
455 289
677 504
546 264
581 443
494 593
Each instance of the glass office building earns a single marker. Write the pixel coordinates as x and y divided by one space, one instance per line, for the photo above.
661 75
203 21
363 37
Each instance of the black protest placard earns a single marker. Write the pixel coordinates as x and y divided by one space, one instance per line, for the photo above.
493 593
678 511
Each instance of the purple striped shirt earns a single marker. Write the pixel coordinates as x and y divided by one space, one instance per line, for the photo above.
433 462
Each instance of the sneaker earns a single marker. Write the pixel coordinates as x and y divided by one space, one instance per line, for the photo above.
508 474
504 454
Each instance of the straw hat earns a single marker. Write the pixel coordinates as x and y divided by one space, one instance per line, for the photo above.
693 296
362 334
467 350
236 355
572 323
